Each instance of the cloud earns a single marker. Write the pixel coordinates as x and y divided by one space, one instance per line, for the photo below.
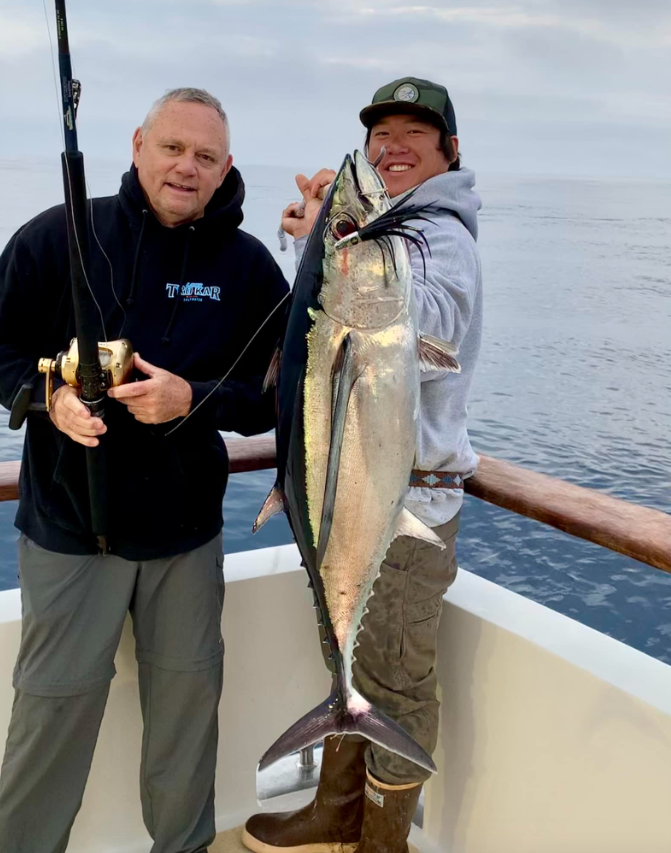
366 62
294 75
615 29
20 35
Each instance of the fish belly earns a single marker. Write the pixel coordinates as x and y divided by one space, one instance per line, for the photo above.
377 455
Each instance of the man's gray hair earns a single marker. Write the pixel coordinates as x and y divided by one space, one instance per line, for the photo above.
193 96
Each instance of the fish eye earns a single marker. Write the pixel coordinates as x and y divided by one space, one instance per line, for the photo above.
342 227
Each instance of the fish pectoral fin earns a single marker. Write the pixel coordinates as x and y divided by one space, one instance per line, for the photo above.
273 373
345 374
273 504
437 354
409 525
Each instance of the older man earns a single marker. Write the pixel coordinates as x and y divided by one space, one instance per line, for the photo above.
367 796
172 271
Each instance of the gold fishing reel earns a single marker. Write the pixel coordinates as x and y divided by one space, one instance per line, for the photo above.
116 363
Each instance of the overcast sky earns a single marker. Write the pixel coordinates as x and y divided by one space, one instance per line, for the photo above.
561 87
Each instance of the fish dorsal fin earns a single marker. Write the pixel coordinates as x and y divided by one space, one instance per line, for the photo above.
409 525
436 354
274 503
273 372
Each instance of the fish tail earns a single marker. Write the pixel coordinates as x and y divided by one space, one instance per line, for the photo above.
357 717
378 728
310 729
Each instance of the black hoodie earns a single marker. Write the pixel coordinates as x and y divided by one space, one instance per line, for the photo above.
193 297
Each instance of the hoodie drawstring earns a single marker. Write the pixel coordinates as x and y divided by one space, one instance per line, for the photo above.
136 260
178 296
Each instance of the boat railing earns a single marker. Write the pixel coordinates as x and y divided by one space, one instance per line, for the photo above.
638 532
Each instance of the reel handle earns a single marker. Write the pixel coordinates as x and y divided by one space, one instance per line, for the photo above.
23 403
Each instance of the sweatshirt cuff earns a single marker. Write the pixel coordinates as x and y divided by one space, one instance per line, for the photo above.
299 248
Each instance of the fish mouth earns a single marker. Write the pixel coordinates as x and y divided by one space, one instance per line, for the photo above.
355 198
369 183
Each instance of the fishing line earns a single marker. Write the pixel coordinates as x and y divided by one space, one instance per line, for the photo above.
53 72
67 169
228 372
95 234
81 258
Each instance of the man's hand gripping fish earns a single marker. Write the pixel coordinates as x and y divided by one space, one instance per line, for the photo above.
348 403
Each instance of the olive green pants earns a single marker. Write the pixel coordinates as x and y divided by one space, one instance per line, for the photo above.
74 610
395 661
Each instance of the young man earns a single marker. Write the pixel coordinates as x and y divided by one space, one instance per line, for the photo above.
189 289
367 796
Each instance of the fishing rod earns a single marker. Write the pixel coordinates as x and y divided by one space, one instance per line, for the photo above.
89 369
88 365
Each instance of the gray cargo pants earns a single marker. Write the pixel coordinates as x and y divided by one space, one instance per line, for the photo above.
395 661
73 613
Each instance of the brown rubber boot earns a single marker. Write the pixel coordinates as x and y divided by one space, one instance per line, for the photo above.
388 814
329 824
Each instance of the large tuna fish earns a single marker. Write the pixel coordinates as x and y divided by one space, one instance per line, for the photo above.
348 404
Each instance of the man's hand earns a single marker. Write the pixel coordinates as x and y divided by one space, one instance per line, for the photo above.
313 191
72 417
161 398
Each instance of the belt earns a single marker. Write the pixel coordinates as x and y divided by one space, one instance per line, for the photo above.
437 479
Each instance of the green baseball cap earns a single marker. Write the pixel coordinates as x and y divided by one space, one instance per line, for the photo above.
411 95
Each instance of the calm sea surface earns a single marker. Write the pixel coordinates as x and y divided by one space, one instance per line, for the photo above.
574 377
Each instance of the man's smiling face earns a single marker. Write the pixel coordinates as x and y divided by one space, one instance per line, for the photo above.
181 158
413 153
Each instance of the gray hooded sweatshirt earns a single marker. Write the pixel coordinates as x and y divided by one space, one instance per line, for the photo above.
449 306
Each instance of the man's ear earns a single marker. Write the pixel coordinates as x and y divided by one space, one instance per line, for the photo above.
137 145
455 143
225 170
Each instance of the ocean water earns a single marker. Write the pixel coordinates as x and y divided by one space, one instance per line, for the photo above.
574 377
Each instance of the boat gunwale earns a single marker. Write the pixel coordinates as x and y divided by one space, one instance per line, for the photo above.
639 532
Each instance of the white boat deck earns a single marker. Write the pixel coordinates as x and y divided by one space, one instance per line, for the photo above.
553 738
229 842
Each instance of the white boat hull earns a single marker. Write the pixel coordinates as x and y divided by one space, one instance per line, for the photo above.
554 738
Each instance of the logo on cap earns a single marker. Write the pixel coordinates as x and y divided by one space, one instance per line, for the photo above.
406 92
